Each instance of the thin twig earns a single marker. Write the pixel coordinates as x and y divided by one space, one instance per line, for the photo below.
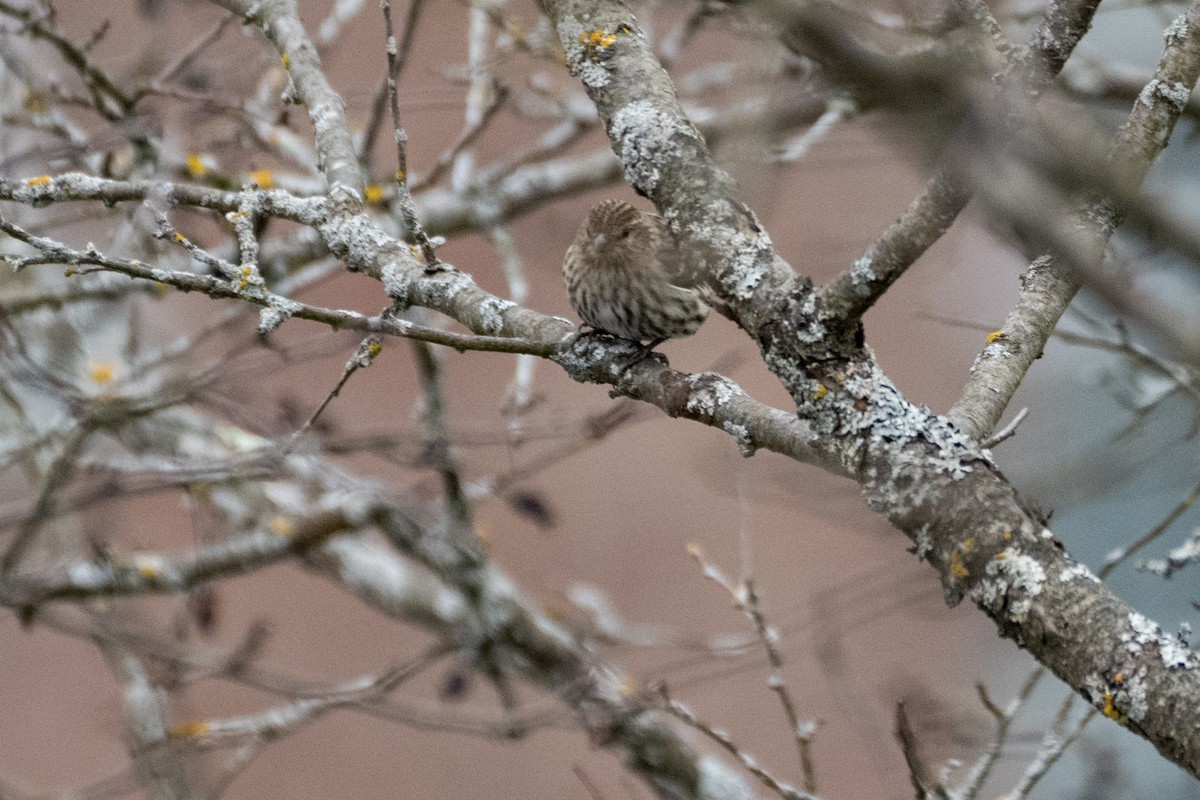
839 109
1008 431
748 762
408 212
465 140
1054 744
156 84
107 98
519 397
946 194
975 780
368 348
745 598
1114 561
588 785
480 84
922 779
287 719
458 505
57 475
391 80
213 286
174 573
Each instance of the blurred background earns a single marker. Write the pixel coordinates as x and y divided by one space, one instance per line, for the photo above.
601 497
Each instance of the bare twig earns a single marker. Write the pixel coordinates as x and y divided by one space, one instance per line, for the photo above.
287 719
368 349
158 573
748 762
391 80
275 307
1008 431
745 598
465 139
1053 745
107 98
1114 560
974 781
923 781
184 59
458 505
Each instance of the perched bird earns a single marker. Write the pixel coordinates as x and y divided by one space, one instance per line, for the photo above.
624 275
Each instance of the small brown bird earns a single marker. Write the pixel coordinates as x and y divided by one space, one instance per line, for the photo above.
624 275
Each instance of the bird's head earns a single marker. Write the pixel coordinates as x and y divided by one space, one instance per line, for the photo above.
615 229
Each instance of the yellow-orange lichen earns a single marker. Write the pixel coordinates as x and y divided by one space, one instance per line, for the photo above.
196 167
597 38
103 372
189 730
263 178
1111 711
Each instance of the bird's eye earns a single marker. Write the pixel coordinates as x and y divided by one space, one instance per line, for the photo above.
624 234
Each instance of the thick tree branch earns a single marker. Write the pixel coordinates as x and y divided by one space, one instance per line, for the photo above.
336 155
916 468
926 220
1048 285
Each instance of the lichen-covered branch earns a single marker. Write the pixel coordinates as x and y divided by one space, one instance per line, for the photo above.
1046 291
924 472
154 573
918 469
930 215
336 155
1048 285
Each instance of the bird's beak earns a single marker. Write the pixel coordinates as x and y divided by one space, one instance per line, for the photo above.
598 242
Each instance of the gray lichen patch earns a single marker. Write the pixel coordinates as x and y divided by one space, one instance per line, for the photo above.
872 405
395 280
276 311
998 348
744 273
709 391
491 314
587 353
439 291
741 434
647 137
1174 93
1177 31
716 781
1010 584
363 245
1144 633
1077 571
862 275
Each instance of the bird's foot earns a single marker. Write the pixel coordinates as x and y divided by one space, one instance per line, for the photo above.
644 352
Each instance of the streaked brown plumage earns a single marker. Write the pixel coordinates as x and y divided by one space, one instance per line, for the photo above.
624 275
